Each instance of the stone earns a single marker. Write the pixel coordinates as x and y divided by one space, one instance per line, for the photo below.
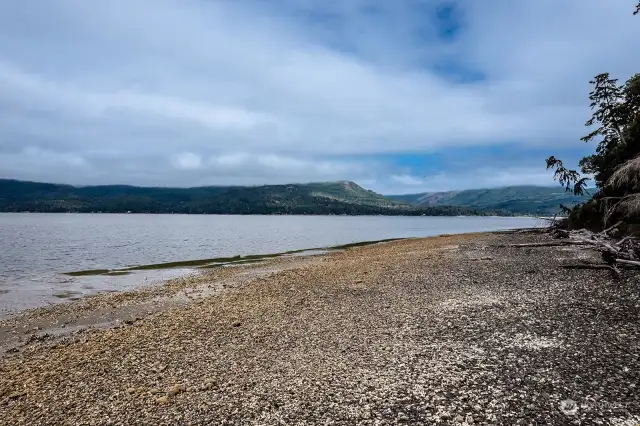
569 407
176 389
16 395
163 400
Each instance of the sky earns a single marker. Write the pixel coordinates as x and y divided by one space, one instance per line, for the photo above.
401 96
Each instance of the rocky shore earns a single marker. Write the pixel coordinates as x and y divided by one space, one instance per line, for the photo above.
462 329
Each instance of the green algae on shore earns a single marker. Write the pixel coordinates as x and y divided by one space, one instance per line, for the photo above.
88 272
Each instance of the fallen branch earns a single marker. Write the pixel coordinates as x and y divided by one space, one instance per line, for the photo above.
553 244
624 240
614 271
628 262
606 231
589 266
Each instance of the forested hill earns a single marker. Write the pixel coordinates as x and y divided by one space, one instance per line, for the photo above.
527 199
342 197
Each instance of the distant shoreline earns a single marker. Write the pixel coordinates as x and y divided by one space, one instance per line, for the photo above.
514 215
320 198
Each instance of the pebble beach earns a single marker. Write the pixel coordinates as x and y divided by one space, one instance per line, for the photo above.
452 330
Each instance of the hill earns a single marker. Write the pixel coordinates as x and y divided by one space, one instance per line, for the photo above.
343 197
540 200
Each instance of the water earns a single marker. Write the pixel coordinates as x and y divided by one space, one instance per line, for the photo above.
36 250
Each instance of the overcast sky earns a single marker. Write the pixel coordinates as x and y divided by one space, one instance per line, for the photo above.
397 95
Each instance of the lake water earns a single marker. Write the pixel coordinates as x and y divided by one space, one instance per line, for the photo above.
36 250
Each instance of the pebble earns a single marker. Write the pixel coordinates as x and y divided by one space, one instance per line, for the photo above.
175 390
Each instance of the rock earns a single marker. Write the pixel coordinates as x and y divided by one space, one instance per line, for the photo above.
163 400
469 419
16 395
459 419
131 390
568 407
208 384
176 389
560 233
236 323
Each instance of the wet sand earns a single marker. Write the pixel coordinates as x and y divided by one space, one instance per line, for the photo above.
445 330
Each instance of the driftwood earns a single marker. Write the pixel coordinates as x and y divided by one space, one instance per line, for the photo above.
628 262
622 252
550 244
588 266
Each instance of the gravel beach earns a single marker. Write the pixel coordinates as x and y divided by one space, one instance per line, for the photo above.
460 329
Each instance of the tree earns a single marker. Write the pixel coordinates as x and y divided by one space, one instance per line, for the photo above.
615 165
570 179
615 116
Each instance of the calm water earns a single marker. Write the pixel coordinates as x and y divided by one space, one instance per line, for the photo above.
37 249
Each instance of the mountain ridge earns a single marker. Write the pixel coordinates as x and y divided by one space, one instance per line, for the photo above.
530 199
340 197
334 197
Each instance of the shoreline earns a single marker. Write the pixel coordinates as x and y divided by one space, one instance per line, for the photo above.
44 287
101 311
158 295
153 275
391 214
228 260
441 330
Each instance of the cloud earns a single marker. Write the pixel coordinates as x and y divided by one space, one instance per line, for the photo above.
187 161
285 169
407 180
473 179
250 92
33 163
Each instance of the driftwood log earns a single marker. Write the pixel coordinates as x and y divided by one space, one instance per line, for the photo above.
615 252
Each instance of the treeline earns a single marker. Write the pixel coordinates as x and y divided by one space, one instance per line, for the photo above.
312 199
